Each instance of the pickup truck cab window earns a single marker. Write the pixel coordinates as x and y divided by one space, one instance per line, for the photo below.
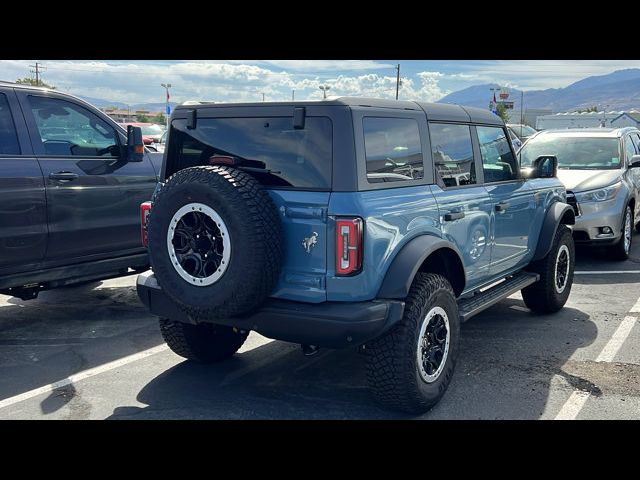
8 136
70 130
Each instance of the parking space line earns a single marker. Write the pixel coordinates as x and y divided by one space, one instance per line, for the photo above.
577 399
82 375
636 307
604 272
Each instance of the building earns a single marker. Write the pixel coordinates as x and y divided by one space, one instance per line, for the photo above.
588 120
121 115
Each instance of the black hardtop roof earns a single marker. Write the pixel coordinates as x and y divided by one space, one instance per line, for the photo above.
435 111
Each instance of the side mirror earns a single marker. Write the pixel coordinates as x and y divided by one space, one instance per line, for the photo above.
545 166
635 162
135 145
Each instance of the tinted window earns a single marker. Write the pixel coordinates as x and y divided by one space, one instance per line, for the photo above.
393 150
498 162
453 154
636 141
629 148
8 136
271 149
68 129
579 153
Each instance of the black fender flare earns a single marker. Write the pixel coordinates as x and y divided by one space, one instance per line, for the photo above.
558 213
405 265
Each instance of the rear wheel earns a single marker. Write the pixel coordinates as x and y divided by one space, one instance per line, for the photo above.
410 367
204 343
550 293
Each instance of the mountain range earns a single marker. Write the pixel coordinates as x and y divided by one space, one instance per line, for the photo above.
619 90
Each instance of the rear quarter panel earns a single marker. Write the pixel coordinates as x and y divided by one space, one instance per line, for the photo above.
392 218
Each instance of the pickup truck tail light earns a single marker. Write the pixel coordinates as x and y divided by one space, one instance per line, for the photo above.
145 209
348 246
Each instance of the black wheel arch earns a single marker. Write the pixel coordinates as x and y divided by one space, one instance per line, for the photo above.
428 254
559 213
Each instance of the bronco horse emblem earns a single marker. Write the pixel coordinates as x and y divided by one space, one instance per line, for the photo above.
310 242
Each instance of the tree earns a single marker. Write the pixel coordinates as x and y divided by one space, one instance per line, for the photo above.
34 83
502 112
142 118
589 109
159 118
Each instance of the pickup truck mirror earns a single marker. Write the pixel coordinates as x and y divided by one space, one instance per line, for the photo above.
135 145
635 162
545 166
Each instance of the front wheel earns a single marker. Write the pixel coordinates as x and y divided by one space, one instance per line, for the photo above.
410 367
204 343
620 251
550 293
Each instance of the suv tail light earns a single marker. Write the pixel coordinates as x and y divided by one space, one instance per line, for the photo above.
145 209
348 246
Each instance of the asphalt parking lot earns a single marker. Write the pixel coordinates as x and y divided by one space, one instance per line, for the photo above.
93 352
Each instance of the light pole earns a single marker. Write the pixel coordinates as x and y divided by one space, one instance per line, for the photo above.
167 86
324 89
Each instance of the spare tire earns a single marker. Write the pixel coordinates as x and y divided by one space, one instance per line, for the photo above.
215 241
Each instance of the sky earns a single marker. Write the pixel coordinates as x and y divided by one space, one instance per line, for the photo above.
133 82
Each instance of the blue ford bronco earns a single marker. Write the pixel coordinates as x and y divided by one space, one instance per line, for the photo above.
350 222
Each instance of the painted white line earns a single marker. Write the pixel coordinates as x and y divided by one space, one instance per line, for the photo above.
572 407
82 375
613 346
636 307
519 308
604 272
577 399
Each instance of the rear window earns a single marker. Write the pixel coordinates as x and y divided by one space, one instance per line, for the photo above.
278 154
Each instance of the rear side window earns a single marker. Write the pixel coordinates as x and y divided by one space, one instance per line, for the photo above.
498 162
393 150
453 154
268 147
8 135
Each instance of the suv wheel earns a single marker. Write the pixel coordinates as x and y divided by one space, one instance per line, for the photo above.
410 367
620 251
551 292
204 343
215 241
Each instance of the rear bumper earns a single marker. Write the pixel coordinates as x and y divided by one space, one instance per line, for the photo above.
328 324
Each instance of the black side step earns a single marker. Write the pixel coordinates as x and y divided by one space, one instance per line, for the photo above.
469 307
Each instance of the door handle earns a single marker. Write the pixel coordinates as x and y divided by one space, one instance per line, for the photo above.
448 217
63 176
502 206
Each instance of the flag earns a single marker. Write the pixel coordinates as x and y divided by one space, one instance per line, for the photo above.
494 96
168 109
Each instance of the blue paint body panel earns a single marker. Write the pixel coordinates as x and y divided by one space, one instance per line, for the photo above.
492 244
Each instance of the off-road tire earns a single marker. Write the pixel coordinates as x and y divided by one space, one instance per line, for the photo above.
255 233
392 367
543 296
204 343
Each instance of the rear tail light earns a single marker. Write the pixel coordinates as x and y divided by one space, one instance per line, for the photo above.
145 209
348 246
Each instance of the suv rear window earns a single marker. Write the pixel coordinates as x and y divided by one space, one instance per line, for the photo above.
392 149
280 156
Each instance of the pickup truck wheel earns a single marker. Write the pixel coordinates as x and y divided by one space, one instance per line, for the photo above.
410 367
620 251
550 293
215 241
204 343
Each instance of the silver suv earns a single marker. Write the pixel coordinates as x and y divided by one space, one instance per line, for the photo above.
599 168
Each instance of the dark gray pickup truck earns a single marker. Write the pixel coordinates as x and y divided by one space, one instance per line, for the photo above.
71 183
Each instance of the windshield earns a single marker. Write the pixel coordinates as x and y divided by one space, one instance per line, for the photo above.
574 153
522 130
152 130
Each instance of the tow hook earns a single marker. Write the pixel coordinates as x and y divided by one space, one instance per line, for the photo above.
310 350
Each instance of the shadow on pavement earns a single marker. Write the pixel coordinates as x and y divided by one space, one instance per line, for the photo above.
66 331
505 355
